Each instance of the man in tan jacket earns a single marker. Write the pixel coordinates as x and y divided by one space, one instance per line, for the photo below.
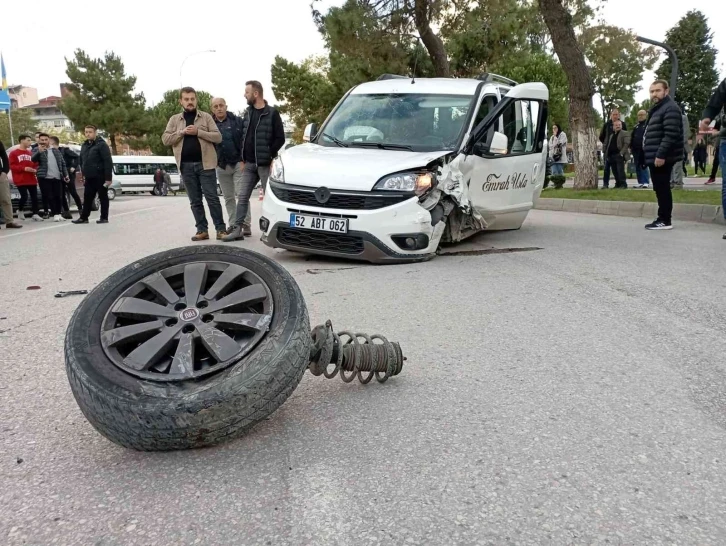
192 135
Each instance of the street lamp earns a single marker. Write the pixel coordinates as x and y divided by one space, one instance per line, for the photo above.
181 84
674 60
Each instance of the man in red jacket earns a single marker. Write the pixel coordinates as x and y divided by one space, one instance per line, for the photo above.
24 176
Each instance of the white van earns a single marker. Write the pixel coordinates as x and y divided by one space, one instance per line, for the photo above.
135 173
401 165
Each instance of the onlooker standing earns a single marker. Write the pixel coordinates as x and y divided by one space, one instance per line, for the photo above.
97 168
605 133
558 150
700 155
192 135
618 153
24 170
69 189
229 161
262 138
636 147
663 148
52 172
716 105
159 182
6 201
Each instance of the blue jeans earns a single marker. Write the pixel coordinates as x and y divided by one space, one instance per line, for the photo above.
200 182
558 169
722 161
642 173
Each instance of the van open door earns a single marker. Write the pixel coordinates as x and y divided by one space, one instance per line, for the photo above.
506 157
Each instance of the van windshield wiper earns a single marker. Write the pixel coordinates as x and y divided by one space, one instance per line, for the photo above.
337 141
382 145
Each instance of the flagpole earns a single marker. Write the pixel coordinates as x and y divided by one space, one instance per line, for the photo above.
10 122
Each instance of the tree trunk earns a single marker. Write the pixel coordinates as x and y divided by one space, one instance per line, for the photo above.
114 149
582 120
433 43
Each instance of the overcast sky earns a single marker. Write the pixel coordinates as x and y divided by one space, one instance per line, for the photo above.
153 38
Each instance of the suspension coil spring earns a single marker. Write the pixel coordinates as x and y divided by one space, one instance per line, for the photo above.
354 353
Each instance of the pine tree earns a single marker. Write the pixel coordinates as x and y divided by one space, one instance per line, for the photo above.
691 39
102 95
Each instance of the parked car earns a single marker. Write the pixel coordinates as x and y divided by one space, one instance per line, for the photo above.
400 166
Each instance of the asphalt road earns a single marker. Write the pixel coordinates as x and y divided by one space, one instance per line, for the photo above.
574 394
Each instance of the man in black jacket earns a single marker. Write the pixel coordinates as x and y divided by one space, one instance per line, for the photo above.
97 168
663 147
636 147
607 130
229 161
69 187
713 111
263 136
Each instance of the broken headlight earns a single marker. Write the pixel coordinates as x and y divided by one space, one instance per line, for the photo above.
417 182
277 172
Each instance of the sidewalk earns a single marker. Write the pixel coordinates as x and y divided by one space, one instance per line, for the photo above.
691 183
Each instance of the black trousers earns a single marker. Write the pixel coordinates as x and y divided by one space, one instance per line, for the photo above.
661 178
52 190
714 169
93 187
33 192
69 189
617 162
700 164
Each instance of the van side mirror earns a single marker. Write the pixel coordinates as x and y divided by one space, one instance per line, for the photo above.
497 146
310 131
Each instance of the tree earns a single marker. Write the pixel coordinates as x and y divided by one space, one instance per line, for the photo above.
617 62
158 116
692 40
583 134
101 94
23 124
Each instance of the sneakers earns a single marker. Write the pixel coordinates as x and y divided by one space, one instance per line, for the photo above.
37 218
658 225
234 235
21 216
201 236
80 221
710 181
57 218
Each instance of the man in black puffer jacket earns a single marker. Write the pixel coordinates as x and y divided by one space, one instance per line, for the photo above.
663 148
97 168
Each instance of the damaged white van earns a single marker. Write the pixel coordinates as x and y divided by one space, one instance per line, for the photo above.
401 165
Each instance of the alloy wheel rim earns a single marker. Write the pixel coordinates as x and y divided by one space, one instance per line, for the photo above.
187 321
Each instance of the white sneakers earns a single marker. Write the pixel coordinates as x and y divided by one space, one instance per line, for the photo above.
37 218
58 218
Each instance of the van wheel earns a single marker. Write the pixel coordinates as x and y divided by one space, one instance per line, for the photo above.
111 194
156 192
187 348
96 205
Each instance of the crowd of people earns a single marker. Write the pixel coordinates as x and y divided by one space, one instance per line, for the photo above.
657 146
236 151
47 166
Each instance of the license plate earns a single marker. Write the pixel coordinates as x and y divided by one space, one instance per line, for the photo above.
319 223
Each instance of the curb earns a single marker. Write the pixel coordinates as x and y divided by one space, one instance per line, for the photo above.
707 214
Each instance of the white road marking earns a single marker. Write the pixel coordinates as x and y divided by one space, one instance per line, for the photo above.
68 223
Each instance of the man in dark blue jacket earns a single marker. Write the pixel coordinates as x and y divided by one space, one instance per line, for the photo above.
636 147
663 147
712 111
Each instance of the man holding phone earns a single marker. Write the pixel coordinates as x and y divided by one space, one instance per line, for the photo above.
97 168
711 113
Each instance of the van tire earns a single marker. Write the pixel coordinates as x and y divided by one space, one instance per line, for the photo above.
150 415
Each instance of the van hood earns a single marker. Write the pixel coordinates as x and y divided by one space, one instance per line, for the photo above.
355 169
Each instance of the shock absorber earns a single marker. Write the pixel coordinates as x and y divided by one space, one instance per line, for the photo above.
355 354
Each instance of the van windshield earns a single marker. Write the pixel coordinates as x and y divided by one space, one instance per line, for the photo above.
418 122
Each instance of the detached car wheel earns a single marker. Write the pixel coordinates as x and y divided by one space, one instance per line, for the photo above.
187 348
